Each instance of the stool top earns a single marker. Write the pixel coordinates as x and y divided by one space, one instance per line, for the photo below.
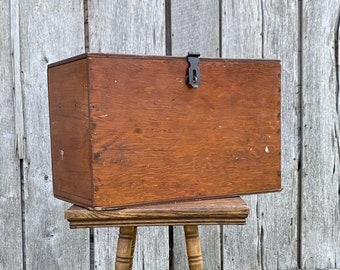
233 211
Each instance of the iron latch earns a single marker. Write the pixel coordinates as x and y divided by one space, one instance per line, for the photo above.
193 71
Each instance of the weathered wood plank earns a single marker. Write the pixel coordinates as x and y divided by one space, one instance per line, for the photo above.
18 107
195 28
50 31
268 29
260 30
277 213
320 220
10 196
241 28
131 27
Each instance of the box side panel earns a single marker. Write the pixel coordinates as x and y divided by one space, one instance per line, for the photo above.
156 139
69 123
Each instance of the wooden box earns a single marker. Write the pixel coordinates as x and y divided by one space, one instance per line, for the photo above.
129 130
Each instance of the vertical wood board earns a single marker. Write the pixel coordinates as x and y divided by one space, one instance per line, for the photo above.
320 246
37 33
241 29
261 30
131 27
277 213
10 212
50 31
195 28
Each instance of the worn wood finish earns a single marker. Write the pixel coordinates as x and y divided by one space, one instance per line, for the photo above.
272 34
320 178
193 244
18 106
275 44
241 28
130 27
232 121
216 211
70 140
277 214
195 27
135 27
10 196
199 19
49 31
125 248
127 238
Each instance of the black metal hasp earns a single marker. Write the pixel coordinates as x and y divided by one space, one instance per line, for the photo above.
194 78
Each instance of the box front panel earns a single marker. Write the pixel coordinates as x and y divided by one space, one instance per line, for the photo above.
157 139
69 121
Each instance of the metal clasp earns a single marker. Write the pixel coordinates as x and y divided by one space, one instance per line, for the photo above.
194 78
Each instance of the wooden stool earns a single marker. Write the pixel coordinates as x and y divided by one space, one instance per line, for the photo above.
226 211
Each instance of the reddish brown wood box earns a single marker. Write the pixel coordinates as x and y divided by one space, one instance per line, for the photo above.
128 130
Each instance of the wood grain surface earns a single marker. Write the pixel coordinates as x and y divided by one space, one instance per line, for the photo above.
70 127
193 245
129 27
277 214
217 211
10 184
125 248
199 18
49 31
320 197
198 141
296 228
268 29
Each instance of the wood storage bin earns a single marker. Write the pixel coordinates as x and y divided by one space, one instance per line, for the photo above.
129 130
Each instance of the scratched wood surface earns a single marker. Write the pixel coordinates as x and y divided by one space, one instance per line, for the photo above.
241 38
195 28
270 239
320 193
10 194
49 31
295 229
280 41
131 27
163 143
231 210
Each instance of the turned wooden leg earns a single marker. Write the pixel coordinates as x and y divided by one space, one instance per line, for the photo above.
125 248
193 244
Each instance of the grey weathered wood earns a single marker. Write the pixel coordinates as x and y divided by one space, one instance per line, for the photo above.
320 244
277 213
255 30
34 33
49 31
105 247
152 248
195 28
241 38
15 49
241 29
10 211
129 27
